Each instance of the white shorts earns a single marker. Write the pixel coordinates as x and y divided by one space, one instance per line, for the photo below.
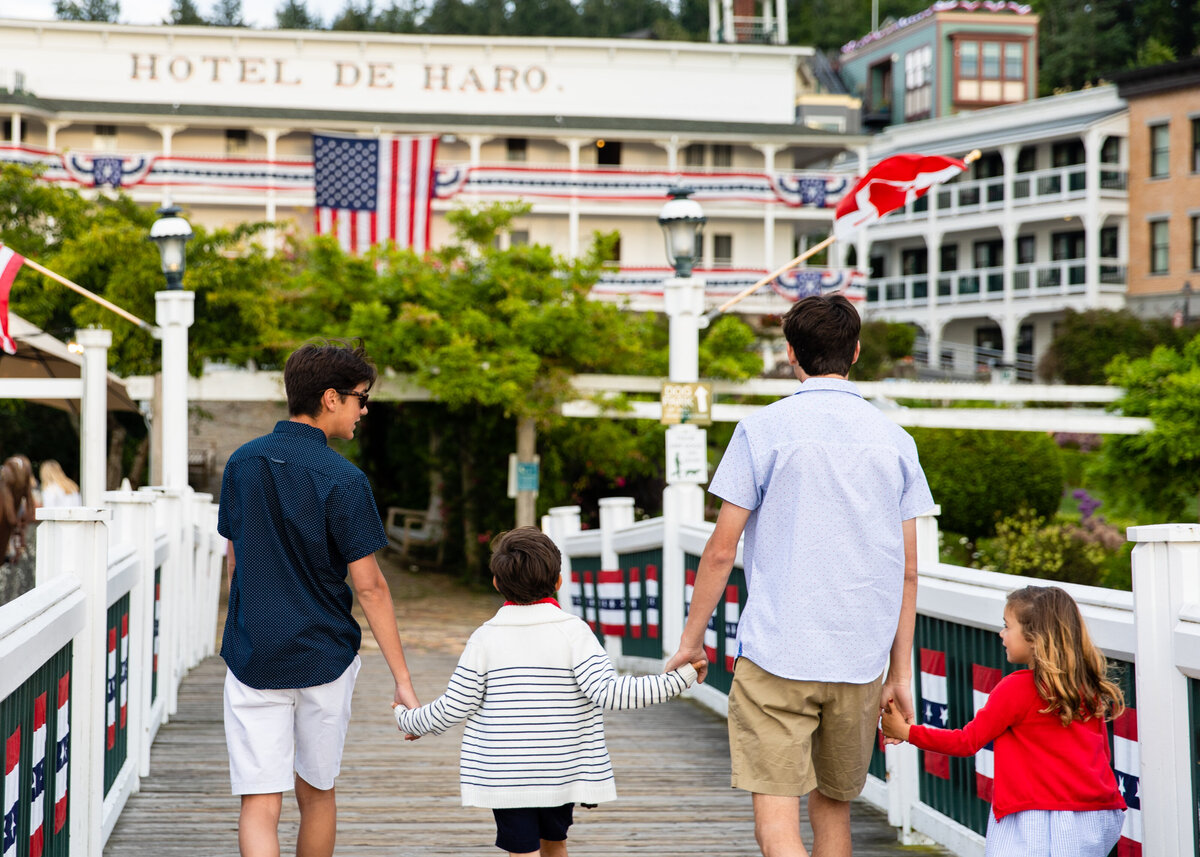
275 735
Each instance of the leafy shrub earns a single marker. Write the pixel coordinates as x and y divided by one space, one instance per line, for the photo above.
884 344
979 477
1026 545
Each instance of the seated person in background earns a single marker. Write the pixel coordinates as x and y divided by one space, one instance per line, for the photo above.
16 504
58 489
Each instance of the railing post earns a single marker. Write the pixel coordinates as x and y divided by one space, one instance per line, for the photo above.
561 522
75 541
681 504
1166 575
615 513
903 767
133 523
200 637
93 425
173 513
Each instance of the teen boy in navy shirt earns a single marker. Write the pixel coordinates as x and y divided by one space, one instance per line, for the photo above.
299 517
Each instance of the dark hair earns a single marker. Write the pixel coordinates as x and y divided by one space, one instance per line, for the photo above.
322 365
526 564
823 332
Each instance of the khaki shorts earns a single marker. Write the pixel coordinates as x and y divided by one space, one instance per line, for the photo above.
789 737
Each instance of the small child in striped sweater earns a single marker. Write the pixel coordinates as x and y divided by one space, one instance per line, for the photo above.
532 684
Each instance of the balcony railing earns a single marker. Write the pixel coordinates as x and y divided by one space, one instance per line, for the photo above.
1045 279
1041 187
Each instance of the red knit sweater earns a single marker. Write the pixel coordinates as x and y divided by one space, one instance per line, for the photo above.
1039 763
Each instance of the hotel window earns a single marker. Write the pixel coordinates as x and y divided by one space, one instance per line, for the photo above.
693 155
948 257
918 83
518 237
1160 150
1026 249
237 140
722 251
1027 159
608 153
722 155
1196 243
1196 145
6 131
1159 246
989 72
104 138
516 149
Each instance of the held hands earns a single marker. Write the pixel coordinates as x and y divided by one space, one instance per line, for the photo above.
407 736
897 696
894 725
406 696
694 656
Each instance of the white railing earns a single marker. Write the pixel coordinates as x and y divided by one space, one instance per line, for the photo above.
92 656
629 580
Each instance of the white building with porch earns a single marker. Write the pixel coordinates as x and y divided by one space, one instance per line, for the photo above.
987 264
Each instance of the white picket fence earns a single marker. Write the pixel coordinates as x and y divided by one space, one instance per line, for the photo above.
631 582
91 659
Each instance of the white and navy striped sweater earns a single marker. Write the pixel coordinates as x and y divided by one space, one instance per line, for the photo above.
532 684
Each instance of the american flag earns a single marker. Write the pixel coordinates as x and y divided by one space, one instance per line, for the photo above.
370 190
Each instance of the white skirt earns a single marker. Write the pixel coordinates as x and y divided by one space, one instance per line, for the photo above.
1054 833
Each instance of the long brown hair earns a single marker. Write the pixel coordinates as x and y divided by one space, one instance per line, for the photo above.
1070 673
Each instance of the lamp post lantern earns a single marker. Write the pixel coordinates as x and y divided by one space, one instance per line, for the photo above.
682 222
174 313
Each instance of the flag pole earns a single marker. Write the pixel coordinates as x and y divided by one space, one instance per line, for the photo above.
75 287
974 155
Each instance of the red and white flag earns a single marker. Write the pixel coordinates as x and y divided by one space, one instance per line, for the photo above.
888 185
10 263
371 190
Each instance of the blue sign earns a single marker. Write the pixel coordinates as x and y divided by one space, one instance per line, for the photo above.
527 476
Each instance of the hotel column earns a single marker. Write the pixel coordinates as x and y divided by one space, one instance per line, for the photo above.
167 132
1092 143
768 151
573 145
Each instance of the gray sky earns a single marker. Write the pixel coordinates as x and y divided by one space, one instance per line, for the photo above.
258 13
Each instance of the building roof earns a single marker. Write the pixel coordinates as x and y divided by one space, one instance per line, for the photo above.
1183 74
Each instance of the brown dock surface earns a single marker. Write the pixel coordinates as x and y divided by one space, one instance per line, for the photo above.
398 798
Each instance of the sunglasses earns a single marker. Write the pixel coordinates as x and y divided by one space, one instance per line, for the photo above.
362 397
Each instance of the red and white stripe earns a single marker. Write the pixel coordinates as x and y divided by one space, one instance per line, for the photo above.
576 603
10 263
935 706
157 613
12 789
403 197
710 630
589 599
983 682
733 613
37 792
62 761
1128 766
610 591
652 602
124 669
635 603
110 692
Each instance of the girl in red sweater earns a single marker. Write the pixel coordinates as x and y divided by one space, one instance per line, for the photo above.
1055 793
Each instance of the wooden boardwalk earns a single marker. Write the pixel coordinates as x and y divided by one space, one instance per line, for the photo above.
398 798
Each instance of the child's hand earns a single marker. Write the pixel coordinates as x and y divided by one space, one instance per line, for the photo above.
892 722
700 665
407 736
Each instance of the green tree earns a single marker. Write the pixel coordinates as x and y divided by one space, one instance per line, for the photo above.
980 477
1157 471
1079 43
399 18
294 15
1086 341
87 10
185 13
227 13
884 345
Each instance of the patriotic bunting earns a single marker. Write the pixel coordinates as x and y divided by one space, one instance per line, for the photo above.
110 692
1128 768
37 785
635 603
62 754
124 669
652 602
983 682
732 614
610 590
935 706
577 593
12 796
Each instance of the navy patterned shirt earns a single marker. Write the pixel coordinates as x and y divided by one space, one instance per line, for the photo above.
298 514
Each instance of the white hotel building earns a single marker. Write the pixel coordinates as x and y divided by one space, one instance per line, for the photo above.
593 133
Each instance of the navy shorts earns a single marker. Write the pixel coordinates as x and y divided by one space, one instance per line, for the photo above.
521 831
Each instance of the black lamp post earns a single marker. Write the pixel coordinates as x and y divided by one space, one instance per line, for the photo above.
682 221
171 233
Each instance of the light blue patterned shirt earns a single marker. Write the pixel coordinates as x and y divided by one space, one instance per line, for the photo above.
828 479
